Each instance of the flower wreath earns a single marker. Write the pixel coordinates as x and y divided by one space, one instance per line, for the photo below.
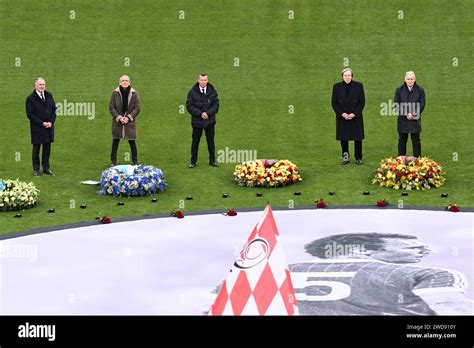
266 173
409 173
17 195
130 180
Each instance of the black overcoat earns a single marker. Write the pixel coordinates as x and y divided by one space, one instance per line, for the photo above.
413 102
353 102
38 112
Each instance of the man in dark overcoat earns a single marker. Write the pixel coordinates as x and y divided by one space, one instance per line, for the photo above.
348 101
41 111
409 101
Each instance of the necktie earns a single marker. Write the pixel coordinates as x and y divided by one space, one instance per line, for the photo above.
42 96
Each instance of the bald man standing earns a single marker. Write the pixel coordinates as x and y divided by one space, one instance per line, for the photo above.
41 111
124 106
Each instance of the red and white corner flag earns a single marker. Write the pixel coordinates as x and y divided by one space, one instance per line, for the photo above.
259 282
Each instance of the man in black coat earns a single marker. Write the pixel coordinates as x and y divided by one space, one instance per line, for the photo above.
203 104
41 111
348 101
410 103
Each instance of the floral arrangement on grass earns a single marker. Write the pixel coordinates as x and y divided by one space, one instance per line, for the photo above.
104 219
266 173
178 214
453 207
409 173
382 203
17 195
321 203
230 212
130 180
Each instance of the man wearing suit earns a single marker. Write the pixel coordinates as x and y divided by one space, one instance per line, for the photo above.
41 111
348 101
124 106
203 104
410 101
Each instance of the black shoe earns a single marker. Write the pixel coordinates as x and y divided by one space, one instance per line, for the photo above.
48 172
36 173
192 165
214 164
359 162
344 162
113 164
135 163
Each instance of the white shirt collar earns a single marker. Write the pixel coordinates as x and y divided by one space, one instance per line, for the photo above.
39 93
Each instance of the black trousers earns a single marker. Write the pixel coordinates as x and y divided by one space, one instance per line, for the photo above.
357 149
402 144
197 133
133 148
44 156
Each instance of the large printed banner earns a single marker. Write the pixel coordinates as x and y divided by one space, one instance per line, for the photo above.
259 282
341 261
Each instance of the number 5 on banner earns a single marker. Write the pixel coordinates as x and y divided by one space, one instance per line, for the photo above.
339 290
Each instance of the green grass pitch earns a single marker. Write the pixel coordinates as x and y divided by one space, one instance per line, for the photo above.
282 62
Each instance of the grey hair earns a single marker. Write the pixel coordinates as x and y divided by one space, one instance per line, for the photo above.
410 73
347 69
40 78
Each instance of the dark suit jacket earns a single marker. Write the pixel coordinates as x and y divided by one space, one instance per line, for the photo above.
413 102
38 112
197 103
353 102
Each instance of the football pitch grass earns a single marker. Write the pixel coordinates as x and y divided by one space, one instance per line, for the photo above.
273 64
